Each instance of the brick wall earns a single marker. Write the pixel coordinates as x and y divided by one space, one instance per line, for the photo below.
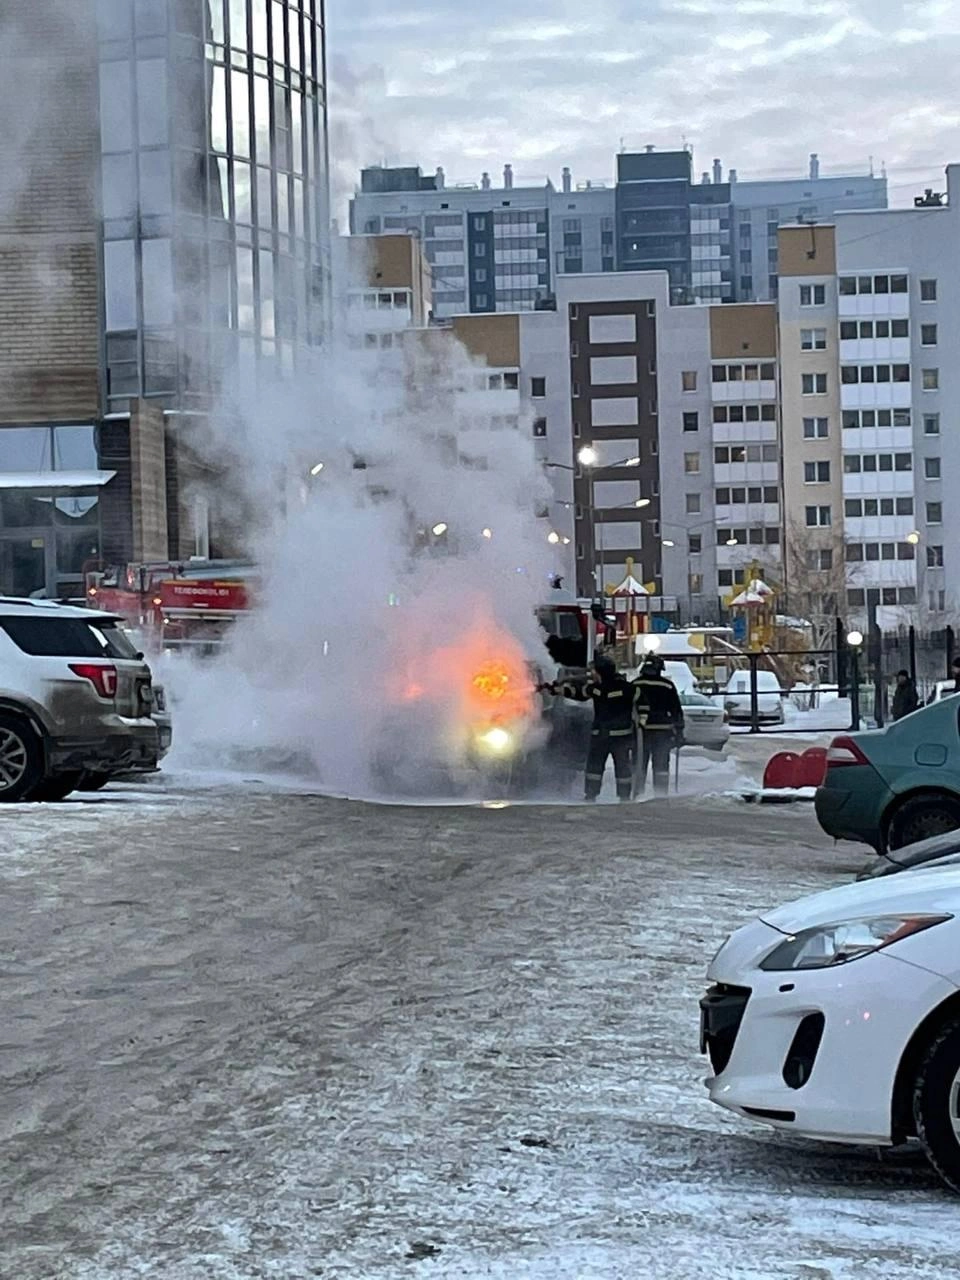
148 481
49 161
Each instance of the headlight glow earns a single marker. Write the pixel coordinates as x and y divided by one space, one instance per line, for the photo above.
498 740
828 945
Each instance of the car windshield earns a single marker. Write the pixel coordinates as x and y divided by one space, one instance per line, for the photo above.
55 637
695 700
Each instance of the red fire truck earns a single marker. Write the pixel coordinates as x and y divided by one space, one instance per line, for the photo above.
175 604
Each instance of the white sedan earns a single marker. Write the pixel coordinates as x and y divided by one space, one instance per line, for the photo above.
838 1016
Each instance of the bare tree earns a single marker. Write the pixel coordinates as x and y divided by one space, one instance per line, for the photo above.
816 580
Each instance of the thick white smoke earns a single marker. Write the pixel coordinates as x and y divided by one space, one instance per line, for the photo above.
368 625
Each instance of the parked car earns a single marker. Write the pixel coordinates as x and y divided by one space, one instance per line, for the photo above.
894 786
75 698
942 689
737 698
939 850
838 1017
704 723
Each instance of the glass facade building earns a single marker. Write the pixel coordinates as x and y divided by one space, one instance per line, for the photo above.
214 191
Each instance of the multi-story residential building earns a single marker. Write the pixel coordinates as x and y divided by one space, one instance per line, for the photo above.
759 209
505 248
869 306
199 245
680 406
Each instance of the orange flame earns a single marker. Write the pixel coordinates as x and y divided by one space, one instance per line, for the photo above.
483 676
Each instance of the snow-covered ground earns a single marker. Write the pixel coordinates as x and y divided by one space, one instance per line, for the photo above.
253 1033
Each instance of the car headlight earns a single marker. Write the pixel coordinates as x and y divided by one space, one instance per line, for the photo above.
498 741
834 944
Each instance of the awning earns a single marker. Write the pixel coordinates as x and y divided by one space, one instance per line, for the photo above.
54 483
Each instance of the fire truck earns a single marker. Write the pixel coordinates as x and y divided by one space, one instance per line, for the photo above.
185 604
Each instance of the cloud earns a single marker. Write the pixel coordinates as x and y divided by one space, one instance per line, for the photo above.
760 83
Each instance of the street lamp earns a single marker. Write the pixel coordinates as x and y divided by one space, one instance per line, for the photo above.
439 530
553 537
913 538
486 533
855 640
316 469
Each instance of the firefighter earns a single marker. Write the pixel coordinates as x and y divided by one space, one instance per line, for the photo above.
660 717
614 731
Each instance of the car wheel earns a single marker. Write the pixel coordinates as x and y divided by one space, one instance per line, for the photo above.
922 817
93 781
50 790
936 1104
21 759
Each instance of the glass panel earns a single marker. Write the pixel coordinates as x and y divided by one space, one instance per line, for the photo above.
218 110
240 107
25 449
296 114
298 207
155 182
152 102
241 193
120 284
77 546
116 107
281 128
260 45
294 33
264 200
283 205
74 449
279 33
238 24
157 283
267 313
22 563
245 315
119 188
217 25
261 105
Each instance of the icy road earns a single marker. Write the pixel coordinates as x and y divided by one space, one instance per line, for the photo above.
249 1035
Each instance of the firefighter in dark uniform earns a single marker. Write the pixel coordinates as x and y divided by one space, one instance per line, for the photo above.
614 731
660 717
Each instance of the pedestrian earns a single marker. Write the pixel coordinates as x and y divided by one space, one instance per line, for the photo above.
614 731
660 717
905 697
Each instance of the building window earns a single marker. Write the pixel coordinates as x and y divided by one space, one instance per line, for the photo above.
820 559
931 424
691 464
480 275
934 513
813 295
695 581
691 421
481 301
931 468
813 339
695 543
928 335
814 384
934 557
725 578
538 388
818 517
689 379
479 224
693 504
816 473
540 428
816 428
479 250
928 290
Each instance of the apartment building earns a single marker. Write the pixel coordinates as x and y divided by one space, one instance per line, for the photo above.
504 248
869 311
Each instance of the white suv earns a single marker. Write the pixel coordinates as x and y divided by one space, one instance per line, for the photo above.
75 699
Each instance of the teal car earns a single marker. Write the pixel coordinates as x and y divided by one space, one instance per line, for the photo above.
895 786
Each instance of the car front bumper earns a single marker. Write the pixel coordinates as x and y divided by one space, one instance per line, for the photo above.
134 751
815 1052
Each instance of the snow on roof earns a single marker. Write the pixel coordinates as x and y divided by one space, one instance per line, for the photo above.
50 482
630 586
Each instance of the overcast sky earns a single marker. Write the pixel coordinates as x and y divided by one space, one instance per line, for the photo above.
543 83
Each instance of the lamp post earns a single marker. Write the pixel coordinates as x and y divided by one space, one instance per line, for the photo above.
855 642
669 543
589 457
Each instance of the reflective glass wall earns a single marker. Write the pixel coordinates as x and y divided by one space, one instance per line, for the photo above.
215 196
